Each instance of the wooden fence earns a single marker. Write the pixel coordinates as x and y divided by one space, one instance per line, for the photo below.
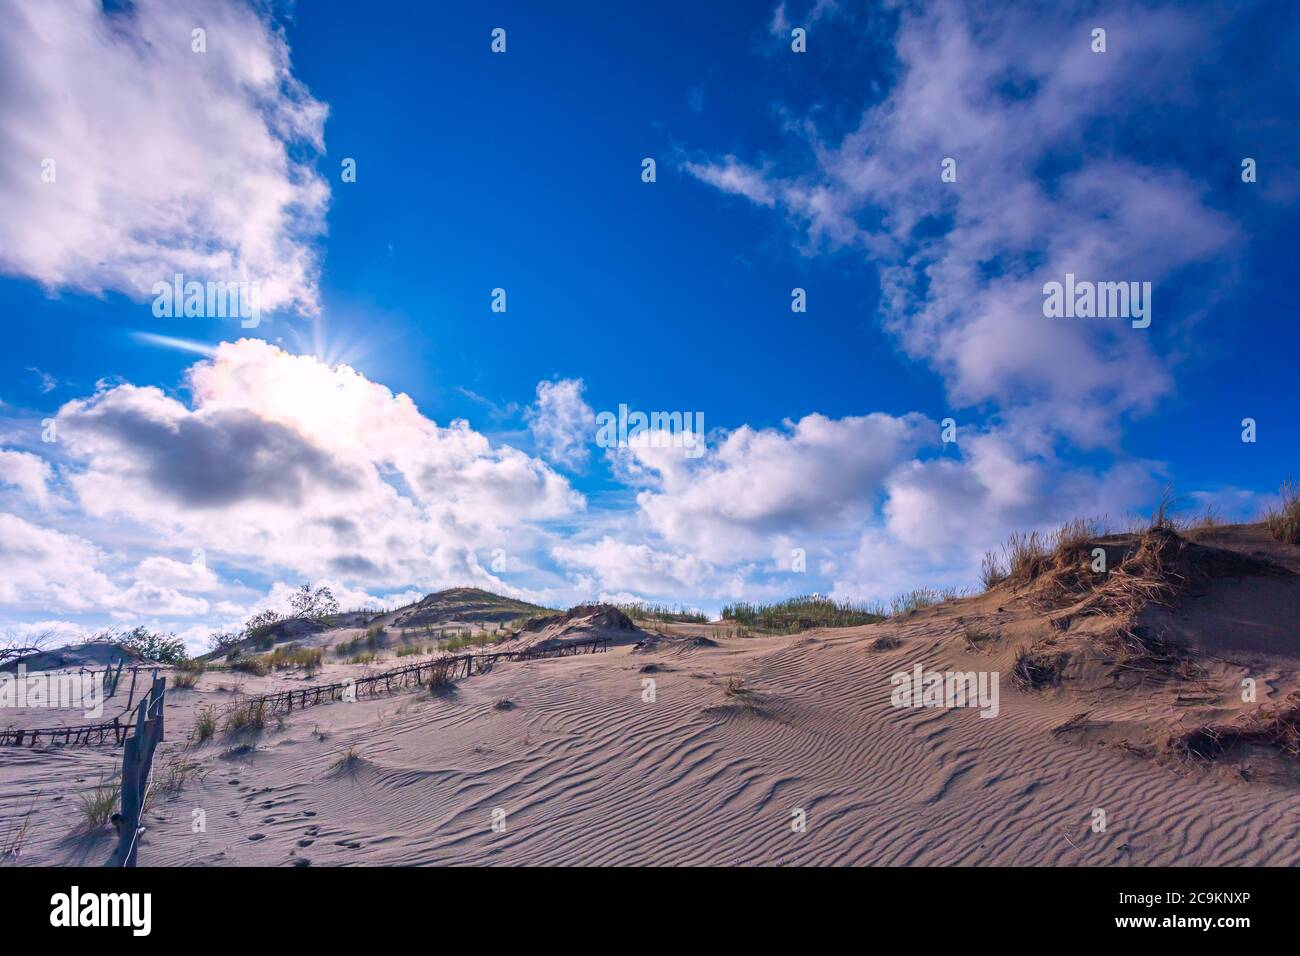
116 732
464 665
137 765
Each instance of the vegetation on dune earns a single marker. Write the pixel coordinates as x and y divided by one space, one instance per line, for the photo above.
99 803
150 645
1283 522
245 717
800 614
662 612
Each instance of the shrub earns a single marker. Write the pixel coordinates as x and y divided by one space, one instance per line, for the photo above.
186 675
257 666
294 655
151 645
441 674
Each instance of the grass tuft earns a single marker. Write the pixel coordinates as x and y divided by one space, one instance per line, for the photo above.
99 803
1283 522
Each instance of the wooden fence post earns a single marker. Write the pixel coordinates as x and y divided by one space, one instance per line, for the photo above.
137 762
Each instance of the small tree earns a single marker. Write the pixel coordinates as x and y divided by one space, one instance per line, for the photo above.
13 647
308 603
223 642
151 645
257 625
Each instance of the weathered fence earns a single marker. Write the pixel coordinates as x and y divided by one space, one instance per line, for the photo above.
287 701
116 731
137 765
112 732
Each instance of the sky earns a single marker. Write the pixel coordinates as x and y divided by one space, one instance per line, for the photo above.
835 275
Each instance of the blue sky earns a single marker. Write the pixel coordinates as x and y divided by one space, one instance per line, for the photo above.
194 477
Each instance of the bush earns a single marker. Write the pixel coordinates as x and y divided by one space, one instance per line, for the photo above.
151 645
257 666
294 655
184 678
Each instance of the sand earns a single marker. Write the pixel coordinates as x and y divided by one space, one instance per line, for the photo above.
575 765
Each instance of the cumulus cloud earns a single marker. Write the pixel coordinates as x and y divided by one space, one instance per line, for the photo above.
29 473
562 423
165 573
621 565
165 160
43 569
294 464
942 514
963 263
757 486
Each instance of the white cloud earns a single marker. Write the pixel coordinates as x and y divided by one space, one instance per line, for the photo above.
963 263
166 573
292 464
29 473
562 423
746 495
166 160
620 565
46 569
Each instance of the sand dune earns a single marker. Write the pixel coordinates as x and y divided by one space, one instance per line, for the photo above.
741 734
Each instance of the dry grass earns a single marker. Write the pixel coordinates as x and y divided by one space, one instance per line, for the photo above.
178 770
186 675
1283 522
292 656
1033 670
992 571
11 847
246 717
734 686
1277 727
348 763
99 803
255 665
977 637
441 674
205 724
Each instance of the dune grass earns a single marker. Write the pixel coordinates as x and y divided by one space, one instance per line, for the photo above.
662 612
1283 522
245 717
800 614
205 725
99 803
